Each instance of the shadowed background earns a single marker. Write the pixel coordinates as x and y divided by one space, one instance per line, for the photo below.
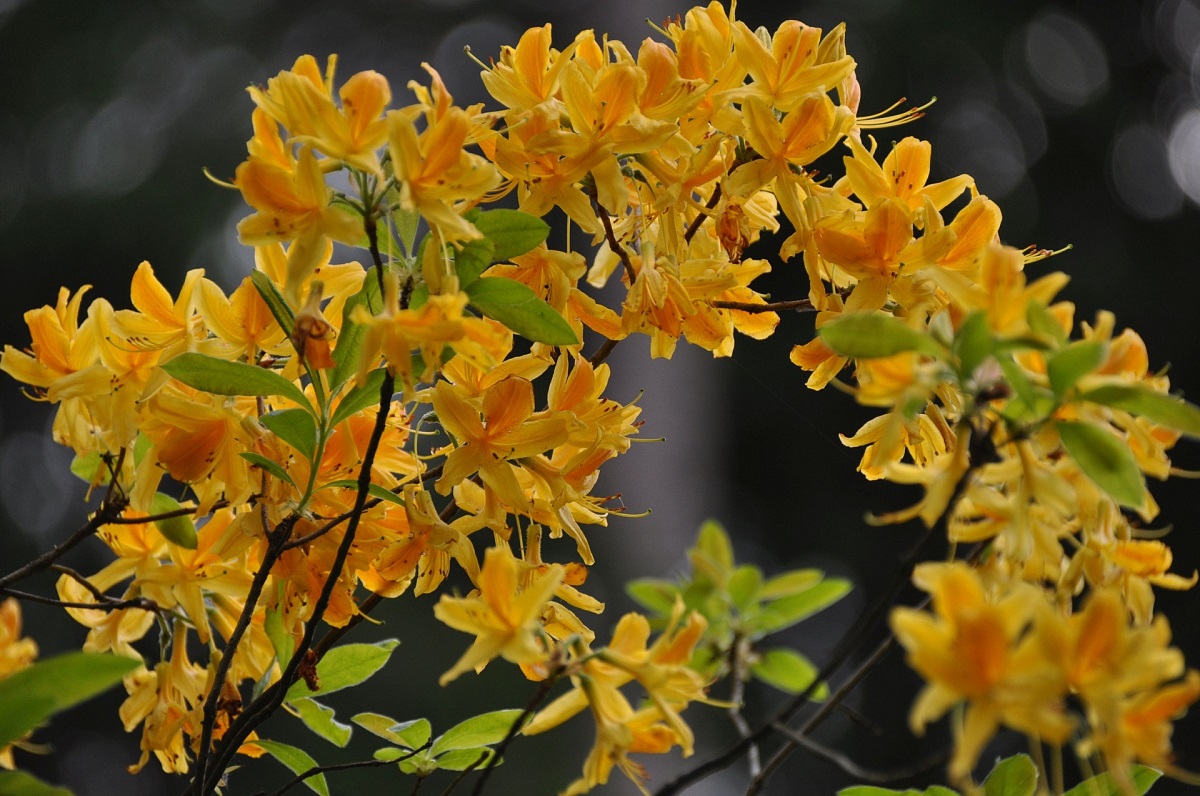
1081 120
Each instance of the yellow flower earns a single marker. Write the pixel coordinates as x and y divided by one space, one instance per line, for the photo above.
791 69
16 653
508 430
435 175
301 100
976 648
504 619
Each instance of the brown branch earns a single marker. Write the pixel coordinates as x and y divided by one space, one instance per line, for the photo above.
611 236
105 514
799 305
463 774
739 650
694 227
842 761
109 604
602 352
273 697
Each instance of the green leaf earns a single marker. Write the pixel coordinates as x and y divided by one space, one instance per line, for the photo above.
974 343
296 427
375 490
359 397
220 377
1043 322
178 530
787 611
91 469
511 232
472 259
1160 408
274 300
871 335
20 783
319 719
258 460
298 761
517 307
1106 460
281 641
653 593
789 671
29 697
744 585
1104 785
482 730
939 790
790 583
345 666
348 351
712 556
871 790
405 222
1073 363
409 734
1014 776
462 759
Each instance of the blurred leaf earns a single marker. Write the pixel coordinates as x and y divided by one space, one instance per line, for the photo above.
179 530
405 222
1160 408
220 377
359 397
871 790
296 427
29 697
744 585
712 556
488 728
1143 777
1042 321
974 343
517 307
653 593
1106 460
274 300
790 583
512 232
1014 776
1074 362
411 734
789 671
787 611
872 335
345 666
319 719
20 783
298 761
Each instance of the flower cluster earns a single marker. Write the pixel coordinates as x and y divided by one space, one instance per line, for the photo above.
328 435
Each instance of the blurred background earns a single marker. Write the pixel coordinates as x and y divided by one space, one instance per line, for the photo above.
1081 119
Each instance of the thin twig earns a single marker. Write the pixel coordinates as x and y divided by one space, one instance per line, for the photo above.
312 772
868 775
760 781
463 774
538 696
738 651
611 237
116 605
